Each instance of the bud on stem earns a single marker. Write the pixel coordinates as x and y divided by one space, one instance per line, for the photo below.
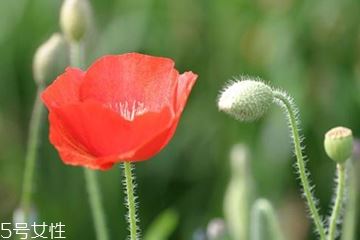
50 59
238 193
246 100
75 19
338 144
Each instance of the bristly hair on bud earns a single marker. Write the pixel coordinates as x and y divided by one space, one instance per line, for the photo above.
75 19
246 99
50 59
338 144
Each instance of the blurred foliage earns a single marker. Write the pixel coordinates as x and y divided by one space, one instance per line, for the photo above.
309 48
163 226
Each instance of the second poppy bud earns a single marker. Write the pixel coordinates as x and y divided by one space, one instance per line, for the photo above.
338 144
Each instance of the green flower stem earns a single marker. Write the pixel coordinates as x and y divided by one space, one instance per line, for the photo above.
264 222
286 102
130 200
31 154
98 213
77 58
96 205
340 192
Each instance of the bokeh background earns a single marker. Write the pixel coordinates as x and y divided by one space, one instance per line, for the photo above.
309 48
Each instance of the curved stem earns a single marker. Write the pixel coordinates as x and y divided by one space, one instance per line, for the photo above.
340 192
77 59
264 222
31 154
96 205
130 200
286 102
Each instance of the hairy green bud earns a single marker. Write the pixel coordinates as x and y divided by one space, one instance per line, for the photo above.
75 19
50 59
246 100
338 144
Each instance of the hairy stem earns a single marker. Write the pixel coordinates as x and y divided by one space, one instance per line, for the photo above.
98 213
286 102
31 154
340 192
130 200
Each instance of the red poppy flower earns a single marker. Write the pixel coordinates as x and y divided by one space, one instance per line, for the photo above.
123 108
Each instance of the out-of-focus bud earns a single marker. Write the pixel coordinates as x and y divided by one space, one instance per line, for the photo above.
247 100
19 216
239 156
199 234
50 59
338 144
356 151
75 18
216 229
238 193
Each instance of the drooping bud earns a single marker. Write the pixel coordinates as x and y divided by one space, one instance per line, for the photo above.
75 19
338 144
246 100
50 59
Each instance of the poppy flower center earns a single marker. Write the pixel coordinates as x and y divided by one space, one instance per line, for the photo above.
128 110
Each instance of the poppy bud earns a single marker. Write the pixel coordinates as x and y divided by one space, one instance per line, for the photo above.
246 100
19 216
50 59
338 144
75 19
216 229
238 193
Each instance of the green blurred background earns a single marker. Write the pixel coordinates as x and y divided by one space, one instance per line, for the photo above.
309 48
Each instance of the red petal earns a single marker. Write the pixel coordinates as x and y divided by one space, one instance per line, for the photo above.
131 79
70 152
154 146
100 132
64 90
184 86
185 83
